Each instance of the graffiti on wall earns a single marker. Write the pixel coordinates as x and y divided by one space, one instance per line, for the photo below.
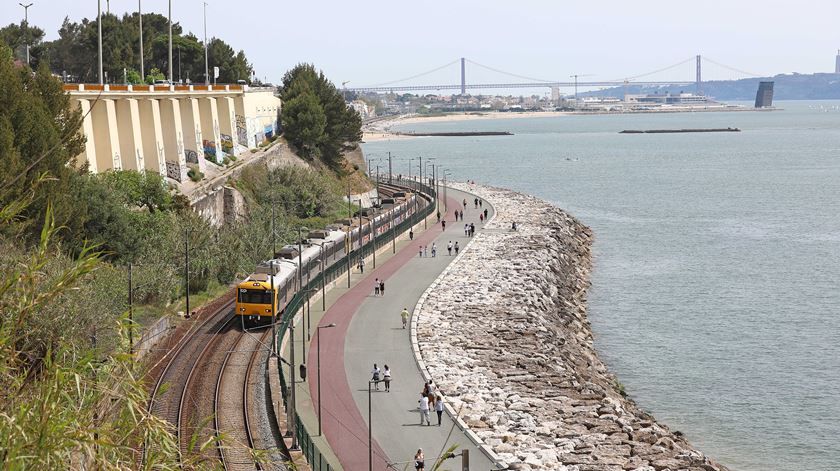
227 144
192 156
173 170
209 149
241 130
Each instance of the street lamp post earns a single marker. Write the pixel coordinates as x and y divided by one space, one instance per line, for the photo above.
140 16
370 426
26 31
360 225
372 225
206 70
273 312
318 361
292 424
377 180
291 412
170 42
323 276
348 241
445 173
393 234
99 29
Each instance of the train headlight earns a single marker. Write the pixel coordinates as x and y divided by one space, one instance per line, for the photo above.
268 310
242 309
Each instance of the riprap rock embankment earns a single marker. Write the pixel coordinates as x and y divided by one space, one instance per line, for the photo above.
505 335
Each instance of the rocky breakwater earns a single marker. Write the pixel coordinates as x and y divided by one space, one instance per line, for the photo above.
505 335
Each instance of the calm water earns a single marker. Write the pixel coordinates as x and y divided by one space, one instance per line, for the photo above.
715 286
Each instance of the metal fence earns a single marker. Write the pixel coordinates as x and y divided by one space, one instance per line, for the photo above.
339 268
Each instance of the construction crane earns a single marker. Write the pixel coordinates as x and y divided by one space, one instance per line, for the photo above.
576 82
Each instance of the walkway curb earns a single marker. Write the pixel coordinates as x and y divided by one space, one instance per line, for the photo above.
418 357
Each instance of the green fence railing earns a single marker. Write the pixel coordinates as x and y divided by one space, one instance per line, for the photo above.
339 268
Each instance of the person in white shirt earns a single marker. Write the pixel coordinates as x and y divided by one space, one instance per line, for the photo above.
424 410
439 407
386 376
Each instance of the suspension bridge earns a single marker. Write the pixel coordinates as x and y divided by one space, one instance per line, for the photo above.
401 85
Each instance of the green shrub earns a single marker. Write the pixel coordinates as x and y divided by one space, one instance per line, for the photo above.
195 175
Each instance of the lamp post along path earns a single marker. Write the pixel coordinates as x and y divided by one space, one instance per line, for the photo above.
318 361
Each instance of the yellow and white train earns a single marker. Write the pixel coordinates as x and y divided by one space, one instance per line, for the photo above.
274 282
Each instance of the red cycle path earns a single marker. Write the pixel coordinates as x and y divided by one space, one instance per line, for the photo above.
344 427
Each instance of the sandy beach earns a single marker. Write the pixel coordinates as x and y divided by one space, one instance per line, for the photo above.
382 130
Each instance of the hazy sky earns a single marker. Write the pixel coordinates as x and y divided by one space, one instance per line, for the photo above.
371 42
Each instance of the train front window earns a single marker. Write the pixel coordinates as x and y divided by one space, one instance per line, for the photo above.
254 296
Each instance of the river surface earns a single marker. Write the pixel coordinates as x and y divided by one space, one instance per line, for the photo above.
715 294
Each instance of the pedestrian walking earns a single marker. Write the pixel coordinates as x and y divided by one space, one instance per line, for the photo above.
361 265
438 216
472 229
465 203
443 225
382 287
466 230
438 403
425 250
480 217
434 250
432 388
404 314
411 234
424 409
485 214
456 248
376 287
386 376
375 375
479 203
462 215
475 201
449 248
420 251
419 460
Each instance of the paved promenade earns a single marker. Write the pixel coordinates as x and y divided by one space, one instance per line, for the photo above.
369 330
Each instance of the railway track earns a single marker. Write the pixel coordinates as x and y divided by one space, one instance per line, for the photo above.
179 362
241 409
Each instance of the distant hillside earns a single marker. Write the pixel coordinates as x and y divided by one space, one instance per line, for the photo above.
788 87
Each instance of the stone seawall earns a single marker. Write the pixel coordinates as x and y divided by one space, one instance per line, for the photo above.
505 335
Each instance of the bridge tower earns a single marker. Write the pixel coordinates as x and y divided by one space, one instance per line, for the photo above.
837 63
463 77
698 79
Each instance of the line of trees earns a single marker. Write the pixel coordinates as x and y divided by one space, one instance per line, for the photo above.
75 52
315 117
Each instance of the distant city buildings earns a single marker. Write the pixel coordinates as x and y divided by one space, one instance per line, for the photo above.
434 104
